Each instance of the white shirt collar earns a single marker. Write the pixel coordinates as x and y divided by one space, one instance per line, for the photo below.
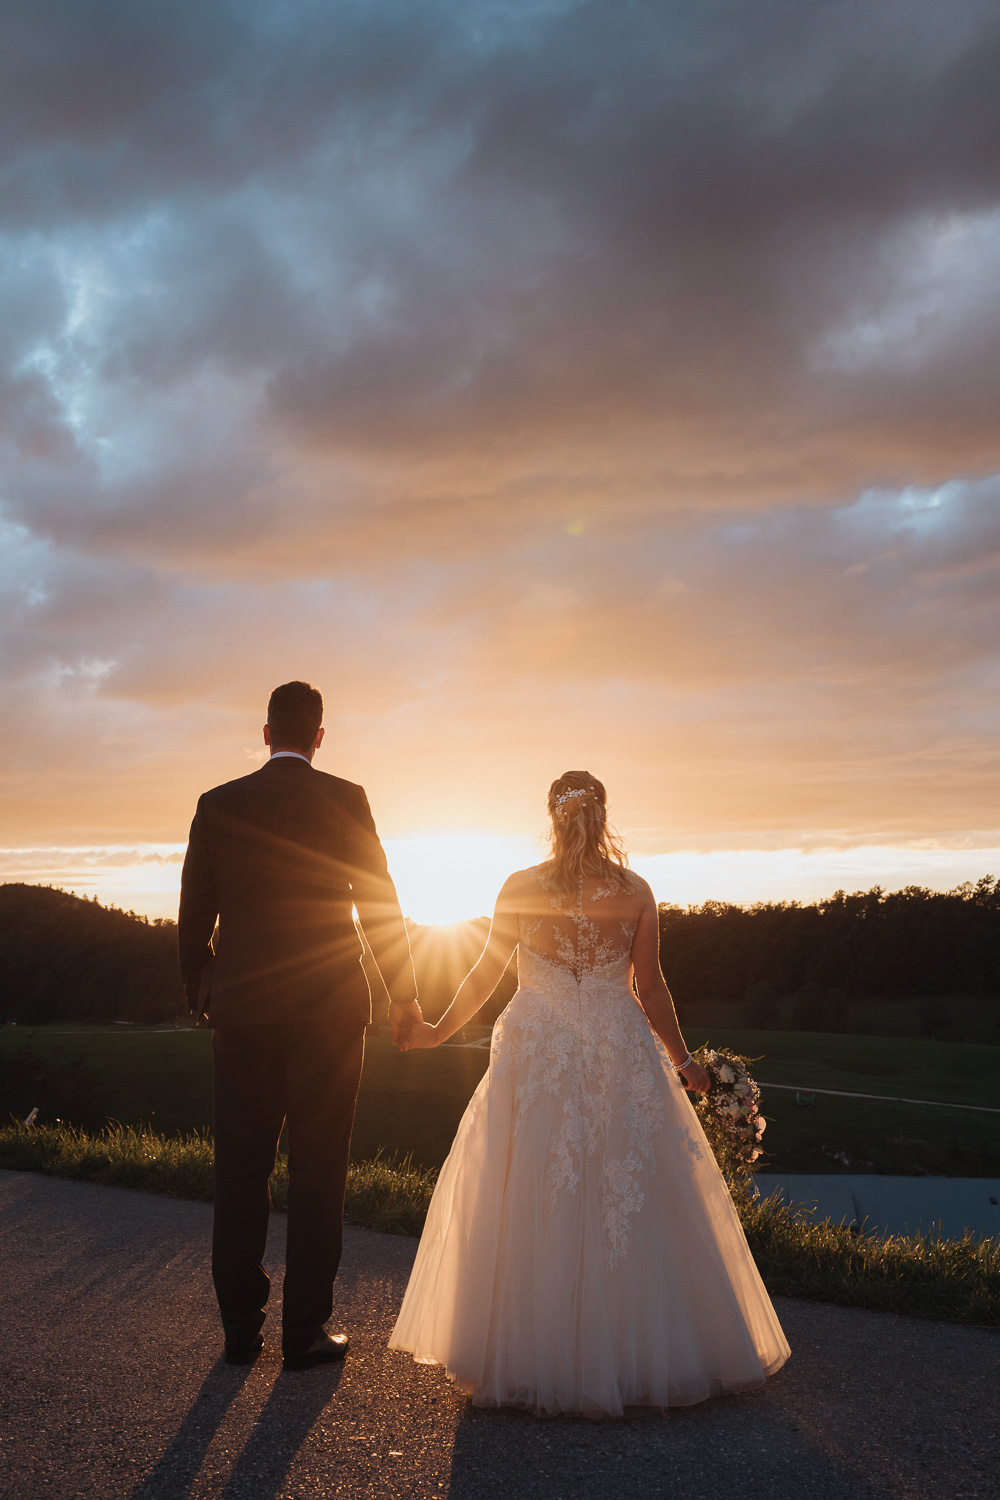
277 754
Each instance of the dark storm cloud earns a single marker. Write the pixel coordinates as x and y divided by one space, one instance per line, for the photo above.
428 226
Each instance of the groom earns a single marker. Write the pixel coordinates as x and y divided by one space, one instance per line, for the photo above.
279 857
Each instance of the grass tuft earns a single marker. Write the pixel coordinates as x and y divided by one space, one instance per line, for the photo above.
384 1193
118 1156
388 1193
918 1275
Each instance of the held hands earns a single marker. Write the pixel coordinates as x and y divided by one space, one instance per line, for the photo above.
403 1015
695 1077
408 1027
421 1035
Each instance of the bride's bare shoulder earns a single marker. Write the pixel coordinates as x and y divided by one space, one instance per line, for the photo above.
529 879
639 887
524 886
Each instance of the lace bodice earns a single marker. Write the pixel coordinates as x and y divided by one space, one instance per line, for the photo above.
595 930
574 1036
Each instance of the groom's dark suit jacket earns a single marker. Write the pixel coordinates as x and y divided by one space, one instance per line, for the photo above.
279 857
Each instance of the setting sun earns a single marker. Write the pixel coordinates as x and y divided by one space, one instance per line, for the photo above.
451 877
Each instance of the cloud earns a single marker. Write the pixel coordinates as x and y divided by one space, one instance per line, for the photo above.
548 380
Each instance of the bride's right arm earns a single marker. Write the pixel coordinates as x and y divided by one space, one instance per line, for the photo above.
481 981
656 999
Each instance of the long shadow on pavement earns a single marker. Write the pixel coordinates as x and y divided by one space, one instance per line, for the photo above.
284 1424
178 1468
289 1416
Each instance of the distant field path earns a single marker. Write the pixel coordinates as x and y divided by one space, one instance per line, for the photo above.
805 1088
112 1387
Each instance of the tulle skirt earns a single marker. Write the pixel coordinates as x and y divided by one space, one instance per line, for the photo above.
528 1299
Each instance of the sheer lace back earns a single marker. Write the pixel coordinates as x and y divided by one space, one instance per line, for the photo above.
581 936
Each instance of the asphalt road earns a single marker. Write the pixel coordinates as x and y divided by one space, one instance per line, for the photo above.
112 1386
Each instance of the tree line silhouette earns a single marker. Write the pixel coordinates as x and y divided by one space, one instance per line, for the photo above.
802 962
66 958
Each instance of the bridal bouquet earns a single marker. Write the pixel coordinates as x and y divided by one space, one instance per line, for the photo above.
730 1112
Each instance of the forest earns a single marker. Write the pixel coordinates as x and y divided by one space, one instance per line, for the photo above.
805 967
785 964
66 958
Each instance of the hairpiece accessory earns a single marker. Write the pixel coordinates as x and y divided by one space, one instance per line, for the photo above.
569 801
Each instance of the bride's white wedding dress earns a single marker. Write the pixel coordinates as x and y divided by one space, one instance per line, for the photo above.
581 1251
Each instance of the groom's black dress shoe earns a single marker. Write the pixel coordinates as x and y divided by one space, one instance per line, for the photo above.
244 1354
324 1349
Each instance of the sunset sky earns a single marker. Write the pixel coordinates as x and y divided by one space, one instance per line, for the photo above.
609 385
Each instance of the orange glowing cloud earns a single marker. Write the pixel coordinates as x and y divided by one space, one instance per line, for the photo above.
552 386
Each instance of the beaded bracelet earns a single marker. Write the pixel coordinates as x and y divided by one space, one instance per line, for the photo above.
682 1065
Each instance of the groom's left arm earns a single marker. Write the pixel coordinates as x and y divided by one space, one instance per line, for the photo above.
378 907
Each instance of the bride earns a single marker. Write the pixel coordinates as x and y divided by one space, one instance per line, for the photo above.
581 1252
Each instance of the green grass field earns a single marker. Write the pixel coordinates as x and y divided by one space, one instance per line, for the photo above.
963 1018
412 1103
408 1104
874 1136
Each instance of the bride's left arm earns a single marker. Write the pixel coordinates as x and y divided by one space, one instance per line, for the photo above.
654 996
480 982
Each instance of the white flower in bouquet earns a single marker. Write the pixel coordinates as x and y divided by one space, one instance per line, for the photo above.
730 1111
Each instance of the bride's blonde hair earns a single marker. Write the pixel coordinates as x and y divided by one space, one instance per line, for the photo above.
582 840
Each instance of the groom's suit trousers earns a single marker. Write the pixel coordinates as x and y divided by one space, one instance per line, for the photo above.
305 1072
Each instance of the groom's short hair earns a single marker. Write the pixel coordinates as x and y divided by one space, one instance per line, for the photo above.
294 715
